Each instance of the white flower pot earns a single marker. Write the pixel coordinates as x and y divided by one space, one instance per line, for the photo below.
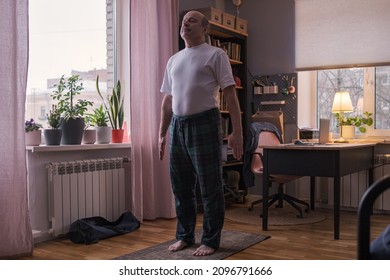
348 131
103 135
33 138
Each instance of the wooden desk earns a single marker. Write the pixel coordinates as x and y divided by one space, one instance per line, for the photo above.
331 160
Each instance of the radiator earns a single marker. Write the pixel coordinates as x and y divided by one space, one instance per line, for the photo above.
85 188
354 186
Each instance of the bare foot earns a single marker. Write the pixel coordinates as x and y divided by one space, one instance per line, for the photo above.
204 250
177 246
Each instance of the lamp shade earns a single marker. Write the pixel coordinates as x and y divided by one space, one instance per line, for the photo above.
342 102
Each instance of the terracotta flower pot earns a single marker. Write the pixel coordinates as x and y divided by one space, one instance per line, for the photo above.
117 136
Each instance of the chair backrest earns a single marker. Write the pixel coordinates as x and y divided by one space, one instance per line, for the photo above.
266 138
274 117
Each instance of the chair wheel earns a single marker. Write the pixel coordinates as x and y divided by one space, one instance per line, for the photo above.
299 216
250 209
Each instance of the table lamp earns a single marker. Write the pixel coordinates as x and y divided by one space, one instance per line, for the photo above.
341 104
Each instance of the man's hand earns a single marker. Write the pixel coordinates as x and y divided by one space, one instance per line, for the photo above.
161 145
235 141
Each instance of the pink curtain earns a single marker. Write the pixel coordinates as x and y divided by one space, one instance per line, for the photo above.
154 38
15 230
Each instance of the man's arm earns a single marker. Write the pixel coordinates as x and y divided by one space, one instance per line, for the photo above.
235 139
166 116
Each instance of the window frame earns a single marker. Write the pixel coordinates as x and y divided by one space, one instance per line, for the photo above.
309 118
117 15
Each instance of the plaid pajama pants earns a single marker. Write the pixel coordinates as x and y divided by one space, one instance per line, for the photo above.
196 159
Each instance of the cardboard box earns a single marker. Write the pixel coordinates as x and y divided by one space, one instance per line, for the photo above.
212 14
228 20
241 25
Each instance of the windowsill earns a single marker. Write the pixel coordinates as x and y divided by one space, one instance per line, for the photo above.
83 147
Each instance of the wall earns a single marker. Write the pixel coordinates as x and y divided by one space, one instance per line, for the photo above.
188 5
271 35
271 38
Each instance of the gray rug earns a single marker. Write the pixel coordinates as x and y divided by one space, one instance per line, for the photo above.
276 216
231 242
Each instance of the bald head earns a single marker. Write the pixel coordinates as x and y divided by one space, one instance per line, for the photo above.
194 28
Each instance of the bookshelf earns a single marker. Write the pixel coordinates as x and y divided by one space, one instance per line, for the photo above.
234 43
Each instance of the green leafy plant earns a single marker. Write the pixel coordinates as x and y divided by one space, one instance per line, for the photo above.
66 92
31 125
113 105
358 121
87 121
54 117
98 117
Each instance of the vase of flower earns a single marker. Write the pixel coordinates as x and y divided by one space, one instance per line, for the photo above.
33 136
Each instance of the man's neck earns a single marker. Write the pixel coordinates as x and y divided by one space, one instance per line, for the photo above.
194 43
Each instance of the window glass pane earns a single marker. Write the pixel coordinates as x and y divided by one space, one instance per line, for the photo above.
331 81
66 37
382 97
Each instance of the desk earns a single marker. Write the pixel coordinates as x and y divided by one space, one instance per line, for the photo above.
331 160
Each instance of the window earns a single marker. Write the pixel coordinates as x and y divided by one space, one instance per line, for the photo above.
68 37
331 81
369 89
382 97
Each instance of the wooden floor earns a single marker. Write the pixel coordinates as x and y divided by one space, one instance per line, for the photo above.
298 242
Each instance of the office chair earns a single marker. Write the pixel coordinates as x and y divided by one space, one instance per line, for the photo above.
267 138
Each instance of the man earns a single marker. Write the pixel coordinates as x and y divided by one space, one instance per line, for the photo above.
191 84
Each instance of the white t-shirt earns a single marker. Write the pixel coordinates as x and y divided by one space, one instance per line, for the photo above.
193 76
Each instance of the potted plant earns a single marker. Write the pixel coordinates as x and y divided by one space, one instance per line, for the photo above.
72 110
89 135
99 119
32 133
114 108
349 123
53 134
